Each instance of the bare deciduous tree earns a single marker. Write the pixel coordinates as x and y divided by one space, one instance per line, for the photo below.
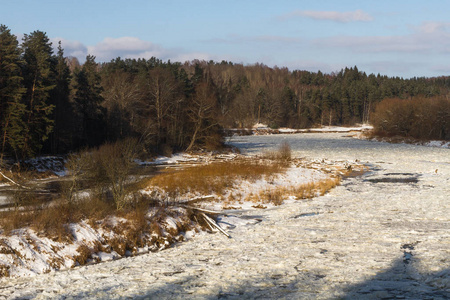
201 112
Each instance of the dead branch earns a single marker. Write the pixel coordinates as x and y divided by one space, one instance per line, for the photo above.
214 224
13 182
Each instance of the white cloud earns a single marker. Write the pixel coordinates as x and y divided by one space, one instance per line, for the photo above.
125 47
71 48
336 16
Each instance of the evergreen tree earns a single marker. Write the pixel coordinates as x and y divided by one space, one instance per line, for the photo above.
87 103
39 75
12 110
61 137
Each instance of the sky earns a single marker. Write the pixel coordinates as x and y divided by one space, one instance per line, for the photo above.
404 38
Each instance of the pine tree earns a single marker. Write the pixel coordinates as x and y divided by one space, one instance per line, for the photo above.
12 110
87 103
61 137
39 74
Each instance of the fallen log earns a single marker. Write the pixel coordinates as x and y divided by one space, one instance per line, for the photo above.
201 210
198 199
13 182
214 224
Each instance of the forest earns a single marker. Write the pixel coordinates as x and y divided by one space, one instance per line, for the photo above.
52 104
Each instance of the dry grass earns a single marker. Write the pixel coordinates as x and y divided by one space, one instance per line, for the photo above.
304 191
213 178
84 253
52 220
4 271
220 178
283 154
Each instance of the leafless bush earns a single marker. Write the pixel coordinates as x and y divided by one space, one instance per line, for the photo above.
76 166
283 154
111 166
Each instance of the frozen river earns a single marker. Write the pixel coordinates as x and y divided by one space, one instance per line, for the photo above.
383 235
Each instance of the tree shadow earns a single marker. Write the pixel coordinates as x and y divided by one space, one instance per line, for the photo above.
403 281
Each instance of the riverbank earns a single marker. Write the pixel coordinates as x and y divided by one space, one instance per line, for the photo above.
166 218
405 140
262 129
382 235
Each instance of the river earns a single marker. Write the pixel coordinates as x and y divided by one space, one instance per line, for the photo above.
385 234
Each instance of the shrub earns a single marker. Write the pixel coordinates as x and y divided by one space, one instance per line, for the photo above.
107 168
283 154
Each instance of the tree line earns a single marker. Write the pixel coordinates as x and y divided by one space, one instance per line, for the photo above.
50 103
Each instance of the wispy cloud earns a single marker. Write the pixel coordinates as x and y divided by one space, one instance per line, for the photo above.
392 66
336 16
429 37
314 65
374 44
238 39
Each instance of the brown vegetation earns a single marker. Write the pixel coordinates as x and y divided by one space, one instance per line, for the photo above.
420 118
213 178
283 153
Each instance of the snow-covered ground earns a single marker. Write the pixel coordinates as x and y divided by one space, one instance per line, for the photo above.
25 252
383 235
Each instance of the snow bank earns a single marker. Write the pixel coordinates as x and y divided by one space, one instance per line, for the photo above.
25 252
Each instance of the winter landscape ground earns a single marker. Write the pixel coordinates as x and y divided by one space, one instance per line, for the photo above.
385 234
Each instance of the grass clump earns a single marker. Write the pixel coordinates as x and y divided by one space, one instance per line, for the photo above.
283 154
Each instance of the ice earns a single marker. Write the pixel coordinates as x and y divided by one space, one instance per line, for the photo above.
363 240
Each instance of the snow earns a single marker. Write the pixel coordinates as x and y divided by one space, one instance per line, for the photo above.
365 239
260 126
164 160
442 144
327 129
54 164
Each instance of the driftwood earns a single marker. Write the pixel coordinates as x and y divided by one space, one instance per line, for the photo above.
13 182
197 199
211 212
213 223
208 223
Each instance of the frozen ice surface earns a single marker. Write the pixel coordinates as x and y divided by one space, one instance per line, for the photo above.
367 239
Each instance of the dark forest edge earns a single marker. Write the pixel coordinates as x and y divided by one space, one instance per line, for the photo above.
51 104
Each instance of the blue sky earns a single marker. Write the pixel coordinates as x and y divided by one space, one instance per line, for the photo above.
394 38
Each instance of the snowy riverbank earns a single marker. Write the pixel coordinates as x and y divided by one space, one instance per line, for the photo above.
382 235
27 252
